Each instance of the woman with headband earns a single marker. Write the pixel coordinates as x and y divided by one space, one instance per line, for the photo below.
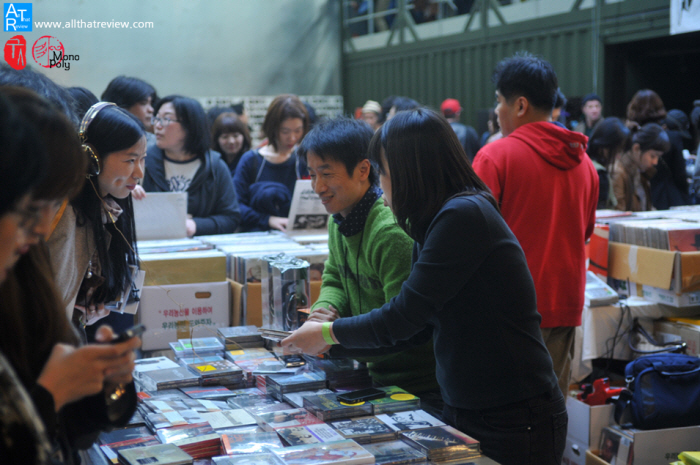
93 248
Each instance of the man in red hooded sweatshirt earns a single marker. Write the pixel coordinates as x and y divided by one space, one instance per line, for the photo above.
547 189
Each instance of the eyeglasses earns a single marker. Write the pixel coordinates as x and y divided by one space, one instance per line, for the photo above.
29 216
162 121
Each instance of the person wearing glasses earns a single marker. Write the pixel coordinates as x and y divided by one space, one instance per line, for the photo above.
181 161
54 396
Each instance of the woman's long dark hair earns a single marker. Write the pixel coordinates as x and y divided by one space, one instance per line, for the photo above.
427 166
610 134
32 316
113 129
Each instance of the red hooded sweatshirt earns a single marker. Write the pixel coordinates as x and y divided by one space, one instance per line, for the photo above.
547 189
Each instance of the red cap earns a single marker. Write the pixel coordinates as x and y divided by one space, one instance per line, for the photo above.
450 105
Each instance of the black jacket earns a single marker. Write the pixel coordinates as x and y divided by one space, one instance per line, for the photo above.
211 198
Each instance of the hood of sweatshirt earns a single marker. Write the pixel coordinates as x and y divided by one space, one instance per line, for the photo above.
557 145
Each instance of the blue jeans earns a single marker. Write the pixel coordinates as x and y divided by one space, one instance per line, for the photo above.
531 431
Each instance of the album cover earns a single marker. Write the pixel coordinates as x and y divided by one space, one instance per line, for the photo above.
249 443
346 452
395 453
442 442
296 399
286 418
265 458
327 407
396 399
409 420
111 450
309 434
163 454
228 419
364 430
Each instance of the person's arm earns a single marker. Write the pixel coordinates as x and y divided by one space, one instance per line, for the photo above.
618 182
593 200
456 245
225 217
488 172
242 180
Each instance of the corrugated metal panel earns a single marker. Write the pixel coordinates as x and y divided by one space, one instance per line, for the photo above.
461 66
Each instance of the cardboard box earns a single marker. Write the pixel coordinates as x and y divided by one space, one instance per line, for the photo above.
586 422
662 446
575 452
679 330
593 459
663 269
207 266
174 312
667 297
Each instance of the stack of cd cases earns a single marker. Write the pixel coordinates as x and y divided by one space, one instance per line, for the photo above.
442 443
328 407
277 385
240 337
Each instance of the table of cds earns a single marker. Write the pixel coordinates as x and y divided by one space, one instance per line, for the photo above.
232 400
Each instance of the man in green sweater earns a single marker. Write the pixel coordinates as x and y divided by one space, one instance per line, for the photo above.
369 255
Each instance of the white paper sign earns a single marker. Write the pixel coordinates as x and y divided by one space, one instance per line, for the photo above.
306 212
685 16
161 215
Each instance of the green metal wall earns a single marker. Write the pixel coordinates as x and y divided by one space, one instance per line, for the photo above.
461 65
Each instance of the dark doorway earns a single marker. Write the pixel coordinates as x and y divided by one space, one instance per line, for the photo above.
668 65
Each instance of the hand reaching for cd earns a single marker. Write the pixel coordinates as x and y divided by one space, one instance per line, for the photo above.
323 315
307 339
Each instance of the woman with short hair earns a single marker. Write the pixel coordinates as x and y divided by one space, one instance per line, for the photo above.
231 138
265 177
181 161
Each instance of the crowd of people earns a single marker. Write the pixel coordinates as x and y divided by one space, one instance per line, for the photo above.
456 263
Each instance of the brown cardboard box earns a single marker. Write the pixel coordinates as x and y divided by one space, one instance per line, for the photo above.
663 269
593 459
208 266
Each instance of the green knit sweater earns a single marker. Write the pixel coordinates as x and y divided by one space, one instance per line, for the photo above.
364 272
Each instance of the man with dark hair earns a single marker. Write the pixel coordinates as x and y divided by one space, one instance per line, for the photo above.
592 109
451 110
547 189
369 255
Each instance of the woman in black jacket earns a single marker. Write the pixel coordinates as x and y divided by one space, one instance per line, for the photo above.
181 161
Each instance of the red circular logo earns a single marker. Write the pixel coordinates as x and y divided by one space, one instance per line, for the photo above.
16 52
48 51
